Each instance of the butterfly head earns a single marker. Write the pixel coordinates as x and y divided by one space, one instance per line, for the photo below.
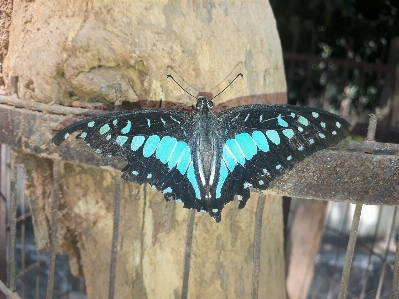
203 103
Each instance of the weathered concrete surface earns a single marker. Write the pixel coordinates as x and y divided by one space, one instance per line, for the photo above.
72 52
76 50
5 22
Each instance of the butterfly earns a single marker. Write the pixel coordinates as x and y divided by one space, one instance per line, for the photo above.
204 159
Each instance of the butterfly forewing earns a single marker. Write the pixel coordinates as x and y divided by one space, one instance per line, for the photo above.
262 141
155 142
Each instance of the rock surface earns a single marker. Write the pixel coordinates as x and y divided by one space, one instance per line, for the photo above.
76 51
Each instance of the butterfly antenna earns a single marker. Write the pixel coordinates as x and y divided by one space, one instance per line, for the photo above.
239 75
170 76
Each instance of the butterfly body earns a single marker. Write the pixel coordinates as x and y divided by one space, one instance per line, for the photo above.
204 159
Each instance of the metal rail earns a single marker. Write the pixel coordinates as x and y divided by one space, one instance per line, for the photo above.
356 177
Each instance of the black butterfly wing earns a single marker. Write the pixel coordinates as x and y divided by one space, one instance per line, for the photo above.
155 142
260 142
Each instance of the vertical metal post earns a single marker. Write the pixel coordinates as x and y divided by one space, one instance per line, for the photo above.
187 253
385 263
257 245
54 229
349 252
395 284
355 223
13 223
115 234
4 193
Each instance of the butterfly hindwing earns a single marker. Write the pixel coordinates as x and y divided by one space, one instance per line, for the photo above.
262 141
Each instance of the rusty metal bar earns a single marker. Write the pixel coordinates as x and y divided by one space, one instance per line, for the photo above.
54 229
395 283
115 235
13 224
349 252
333 283
4 188
89 110
187 253
257 245
21 196
355 223
372 127
386 264
371 250
3 288
328 175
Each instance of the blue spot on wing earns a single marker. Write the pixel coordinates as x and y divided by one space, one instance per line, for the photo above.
273 136
235 117
260 140
137 141
127 128
222 177
167 190
229 158
165 148
281 121
247 145
151 145
104 129
184 160
236 151
177 152
289 133
121 140
303 121
315 114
